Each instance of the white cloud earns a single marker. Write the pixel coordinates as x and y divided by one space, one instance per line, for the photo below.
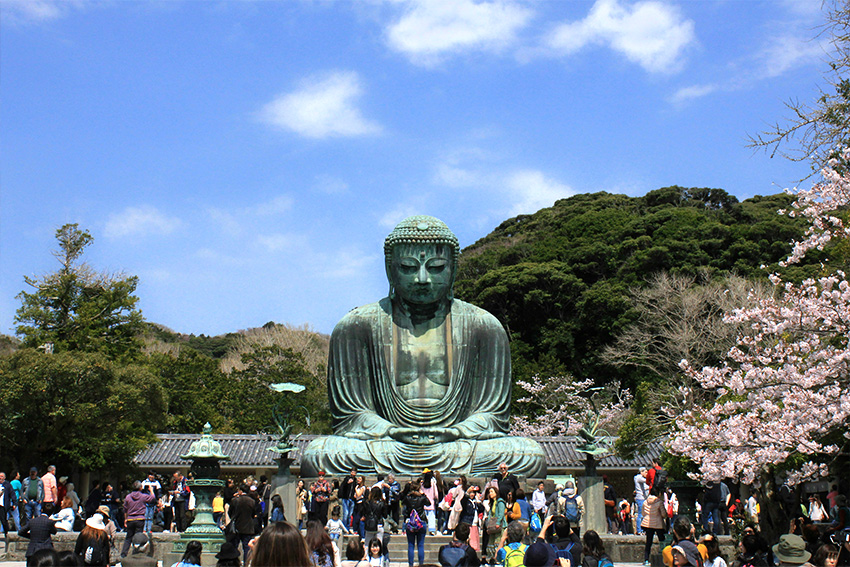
785 52
454 176
276 242
650 33
532 191
400 212
275 206
34 11
330 185
692 92
348 262
433 29
322 107
139 221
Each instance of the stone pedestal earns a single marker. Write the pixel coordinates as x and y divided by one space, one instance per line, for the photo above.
592 493
286 488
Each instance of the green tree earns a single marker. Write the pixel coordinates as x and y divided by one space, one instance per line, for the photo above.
77 308
81 410
247 407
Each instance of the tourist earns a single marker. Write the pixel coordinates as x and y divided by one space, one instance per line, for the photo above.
816 512
150 507
242 526
511 551
167 511
541 554
111 528
414 510
346 497
573 506
360 495
335 527
135 512
458 551
751 553
354 554
93 542
429 489
8 502
51 490
610 496
280 545
457 493
321 493
302 498
374 510
179 500
141 552
521 505
712 548
566 541
43 558
16 488
32 494
538 500
392 492
507 481
654 521
277 514
686 556
495 521
64 518
38 530
594 551
683 536
71 493
826 556
228 556
641 494
791 550
93 500
319 544
192 555
376 555
443 508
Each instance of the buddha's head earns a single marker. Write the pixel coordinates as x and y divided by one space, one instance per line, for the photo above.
421 258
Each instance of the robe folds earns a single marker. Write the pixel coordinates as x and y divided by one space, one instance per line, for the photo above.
365 402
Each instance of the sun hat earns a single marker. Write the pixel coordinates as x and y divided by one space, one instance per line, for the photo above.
539 554
103 510
96 522
791 549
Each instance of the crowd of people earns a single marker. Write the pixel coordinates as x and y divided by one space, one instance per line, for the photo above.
348 522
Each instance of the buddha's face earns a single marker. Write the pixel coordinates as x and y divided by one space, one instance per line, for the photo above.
422 274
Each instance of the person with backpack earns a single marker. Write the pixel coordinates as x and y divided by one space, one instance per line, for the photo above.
573 506
414 525
93 542
656 476
511 552
566 543
594 551
458 552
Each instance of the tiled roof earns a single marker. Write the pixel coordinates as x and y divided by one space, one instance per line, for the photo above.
250 451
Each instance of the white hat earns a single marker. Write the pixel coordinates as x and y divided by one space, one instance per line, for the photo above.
96 522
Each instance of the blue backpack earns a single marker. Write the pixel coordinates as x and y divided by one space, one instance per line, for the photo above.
454 556
571 509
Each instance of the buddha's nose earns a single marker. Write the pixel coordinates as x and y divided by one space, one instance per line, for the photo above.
422 277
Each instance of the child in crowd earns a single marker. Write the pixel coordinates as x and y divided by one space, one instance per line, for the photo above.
334 526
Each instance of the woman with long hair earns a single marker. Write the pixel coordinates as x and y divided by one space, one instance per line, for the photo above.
358 523
495 521
280 545
654 520
64 518
429 489
93 542
319 544
302 496
593 551
277 514
712 548
192 555
374 510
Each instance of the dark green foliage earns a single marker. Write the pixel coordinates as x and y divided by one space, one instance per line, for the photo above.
79 410
212 346
559 279
78 309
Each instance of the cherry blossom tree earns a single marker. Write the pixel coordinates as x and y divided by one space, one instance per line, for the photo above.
783 390
559 405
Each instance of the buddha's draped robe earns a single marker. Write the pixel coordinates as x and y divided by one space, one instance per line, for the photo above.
366 403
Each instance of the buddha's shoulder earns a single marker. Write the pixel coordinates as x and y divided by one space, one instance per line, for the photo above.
473 313
366 314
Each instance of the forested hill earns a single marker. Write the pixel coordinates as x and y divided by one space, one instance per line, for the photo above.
560 279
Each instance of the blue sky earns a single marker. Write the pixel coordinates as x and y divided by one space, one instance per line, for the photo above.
246 159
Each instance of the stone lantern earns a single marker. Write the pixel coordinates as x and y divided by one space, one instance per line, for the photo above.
205 455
